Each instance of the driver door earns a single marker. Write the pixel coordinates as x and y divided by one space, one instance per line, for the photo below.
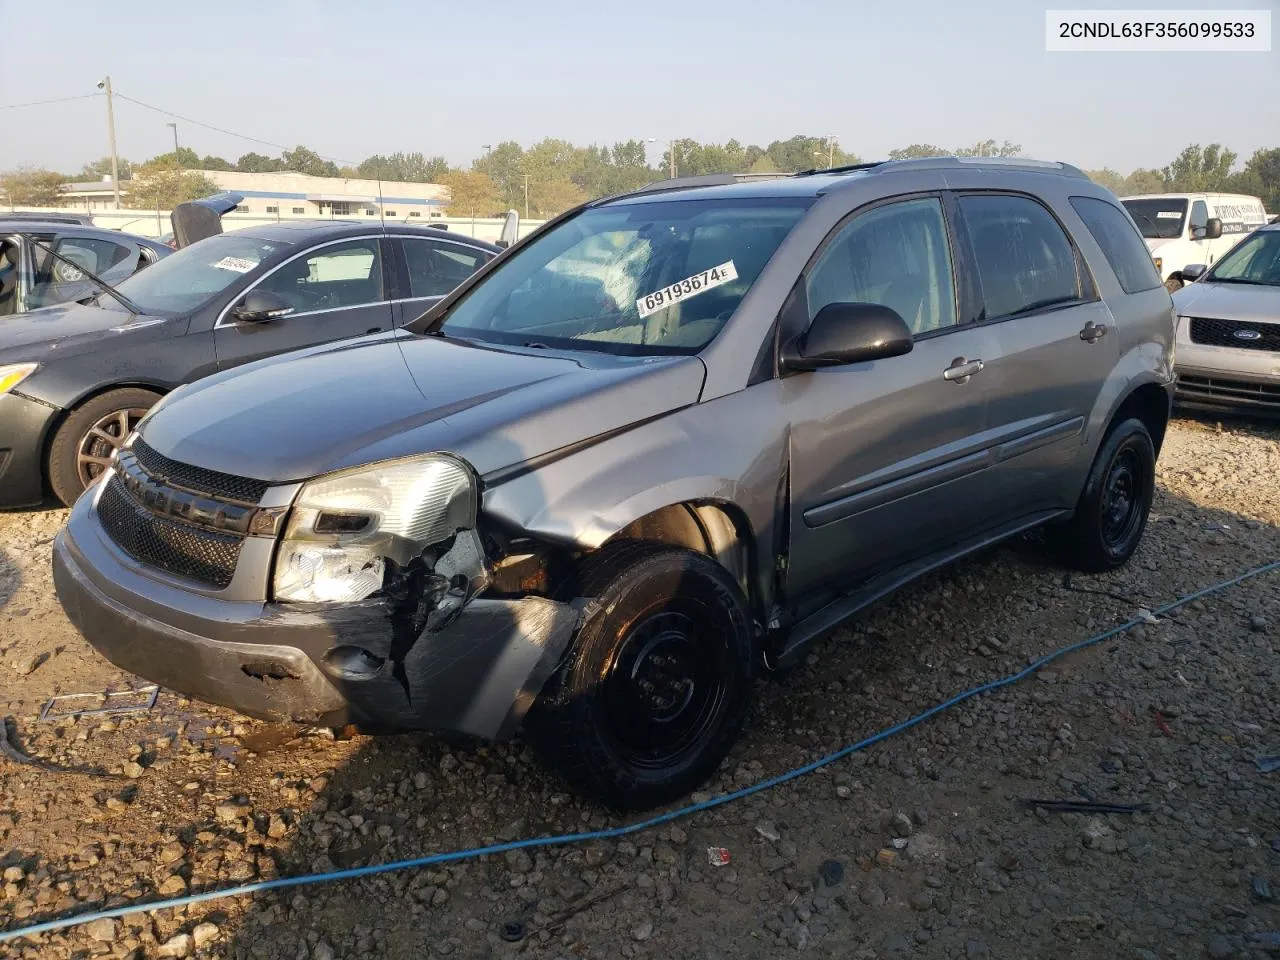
337 290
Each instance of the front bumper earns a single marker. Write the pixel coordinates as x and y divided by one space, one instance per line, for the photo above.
477 675
24 424
1225 377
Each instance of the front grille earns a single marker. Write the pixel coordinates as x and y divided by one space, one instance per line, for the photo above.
224 485
1222 333
180 548
1262 396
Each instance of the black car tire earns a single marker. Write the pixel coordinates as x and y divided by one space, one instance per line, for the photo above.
659 682
63 466
1111 514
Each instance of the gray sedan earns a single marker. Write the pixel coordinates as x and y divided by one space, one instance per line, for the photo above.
1228 347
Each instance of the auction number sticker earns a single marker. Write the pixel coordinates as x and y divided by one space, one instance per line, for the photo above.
686 288
1168 215
238 264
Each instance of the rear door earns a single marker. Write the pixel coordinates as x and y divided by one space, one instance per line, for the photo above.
887 456
1057 347
432 267
337 290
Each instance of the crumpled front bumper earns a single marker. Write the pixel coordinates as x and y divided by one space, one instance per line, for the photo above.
477 675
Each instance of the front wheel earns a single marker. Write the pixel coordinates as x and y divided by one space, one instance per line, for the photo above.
84 444
658 685
1111 514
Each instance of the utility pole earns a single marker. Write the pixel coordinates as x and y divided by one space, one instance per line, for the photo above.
105 84
672 154
526 195
175 137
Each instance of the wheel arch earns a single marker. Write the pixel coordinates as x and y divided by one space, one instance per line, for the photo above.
55 424
1151 403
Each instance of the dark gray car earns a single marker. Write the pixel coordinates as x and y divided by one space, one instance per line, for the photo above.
75 379
663 443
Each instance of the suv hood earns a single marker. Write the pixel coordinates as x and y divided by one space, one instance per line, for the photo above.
394 395
67 327
1249 303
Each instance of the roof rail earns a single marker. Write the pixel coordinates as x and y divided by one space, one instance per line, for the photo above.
705 180
933 163
845 168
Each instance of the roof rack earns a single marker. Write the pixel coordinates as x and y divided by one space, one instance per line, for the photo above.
704 180
933 163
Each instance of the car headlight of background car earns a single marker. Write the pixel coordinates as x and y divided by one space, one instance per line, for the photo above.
13 374
346 528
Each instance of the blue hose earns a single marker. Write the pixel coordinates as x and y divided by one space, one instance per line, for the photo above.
613 832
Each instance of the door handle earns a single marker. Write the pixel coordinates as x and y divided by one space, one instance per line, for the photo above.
1093 331
374 330
961 370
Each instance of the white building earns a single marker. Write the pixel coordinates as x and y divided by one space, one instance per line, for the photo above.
292 195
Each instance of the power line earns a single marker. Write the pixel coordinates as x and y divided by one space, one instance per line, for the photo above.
41 103
229 133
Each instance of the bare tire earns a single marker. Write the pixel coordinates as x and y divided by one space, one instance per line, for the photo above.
1174 284
83 445
1112 512
657 688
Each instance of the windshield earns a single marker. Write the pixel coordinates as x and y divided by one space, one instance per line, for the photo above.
1255 259
192 276
1158 219
655 277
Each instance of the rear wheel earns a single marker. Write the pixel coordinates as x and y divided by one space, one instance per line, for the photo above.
83 445
1111 514
658 686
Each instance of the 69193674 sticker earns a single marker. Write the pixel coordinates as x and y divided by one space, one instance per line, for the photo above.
686 288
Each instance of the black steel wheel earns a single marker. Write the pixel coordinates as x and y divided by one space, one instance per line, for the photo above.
658 685
1111 514
87 439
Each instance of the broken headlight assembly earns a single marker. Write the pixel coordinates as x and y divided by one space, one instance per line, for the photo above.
351 532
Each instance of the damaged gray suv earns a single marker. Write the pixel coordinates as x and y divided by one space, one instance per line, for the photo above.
655 449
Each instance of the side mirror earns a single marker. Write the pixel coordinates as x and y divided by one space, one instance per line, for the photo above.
1213 229
1193 271
848 333
258 306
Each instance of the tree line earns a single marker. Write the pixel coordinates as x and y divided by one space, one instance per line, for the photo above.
552 175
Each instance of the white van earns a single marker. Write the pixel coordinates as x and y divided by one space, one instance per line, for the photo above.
1186 228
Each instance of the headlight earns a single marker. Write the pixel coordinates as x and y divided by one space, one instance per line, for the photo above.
13 374
346 527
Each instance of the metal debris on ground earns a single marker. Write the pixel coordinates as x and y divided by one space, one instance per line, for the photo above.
149 694
899 843
718 856
831 872
1269 764
1076 806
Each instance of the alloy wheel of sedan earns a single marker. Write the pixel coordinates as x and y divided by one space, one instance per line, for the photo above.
102 440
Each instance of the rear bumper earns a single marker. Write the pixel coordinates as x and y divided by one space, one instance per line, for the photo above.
477 675
24 424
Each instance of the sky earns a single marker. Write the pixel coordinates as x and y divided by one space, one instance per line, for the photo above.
352 79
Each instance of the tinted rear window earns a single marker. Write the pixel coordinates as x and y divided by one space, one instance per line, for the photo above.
1120 243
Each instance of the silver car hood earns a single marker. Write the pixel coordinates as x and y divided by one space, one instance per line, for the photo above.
304 414
1229 301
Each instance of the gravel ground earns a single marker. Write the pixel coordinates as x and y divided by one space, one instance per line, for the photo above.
918 847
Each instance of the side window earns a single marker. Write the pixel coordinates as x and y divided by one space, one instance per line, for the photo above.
340 275
435 268
1025 260
896 255
1199 218
1121 244
90 253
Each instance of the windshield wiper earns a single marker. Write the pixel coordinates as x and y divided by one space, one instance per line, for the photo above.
106 287
1246 280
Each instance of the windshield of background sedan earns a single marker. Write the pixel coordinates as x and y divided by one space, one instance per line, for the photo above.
635 278
192 276
1158 219
1255 259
